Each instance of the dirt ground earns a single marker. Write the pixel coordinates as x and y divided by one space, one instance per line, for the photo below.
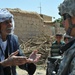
41 70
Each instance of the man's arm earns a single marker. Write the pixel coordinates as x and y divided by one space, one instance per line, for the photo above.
0 64
13 60
72 67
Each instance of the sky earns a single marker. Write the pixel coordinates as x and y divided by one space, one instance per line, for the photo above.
48 7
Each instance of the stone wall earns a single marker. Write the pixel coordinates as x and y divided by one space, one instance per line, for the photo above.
27 24
46 17
31 24
49 28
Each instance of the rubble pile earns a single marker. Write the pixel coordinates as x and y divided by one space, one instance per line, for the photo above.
42 44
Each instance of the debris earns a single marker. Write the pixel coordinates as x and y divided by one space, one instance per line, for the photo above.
42 44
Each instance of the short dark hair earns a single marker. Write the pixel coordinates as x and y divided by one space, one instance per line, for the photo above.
59 34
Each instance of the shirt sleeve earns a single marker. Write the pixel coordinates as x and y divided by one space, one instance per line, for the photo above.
72 67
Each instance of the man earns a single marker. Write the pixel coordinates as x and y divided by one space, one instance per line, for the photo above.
10 53
55 54
67 11
67 38
57 44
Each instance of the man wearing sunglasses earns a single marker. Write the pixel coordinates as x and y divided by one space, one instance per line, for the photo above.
67 11
10 53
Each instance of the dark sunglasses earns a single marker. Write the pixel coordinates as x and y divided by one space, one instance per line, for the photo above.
66 16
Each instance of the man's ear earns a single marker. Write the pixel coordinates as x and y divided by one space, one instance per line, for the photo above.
73 20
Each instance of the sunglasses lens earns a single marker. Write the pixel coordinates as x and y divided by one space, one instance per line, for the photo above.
64 17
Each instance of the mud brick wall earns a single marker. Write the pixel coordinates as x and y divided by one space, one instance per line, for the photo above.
31 24
27 24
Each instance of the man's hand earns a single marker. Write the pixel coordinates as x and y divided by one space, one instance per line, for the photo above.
13 60
34 57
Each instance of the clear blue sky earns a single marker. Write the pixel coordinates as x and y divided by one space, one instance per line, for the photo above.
48 7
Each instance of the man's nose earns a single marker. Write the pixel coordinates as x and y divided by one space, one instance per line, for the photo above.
9 24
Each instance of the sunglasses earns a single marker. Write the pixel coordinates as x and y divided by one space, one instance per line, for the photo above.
66 16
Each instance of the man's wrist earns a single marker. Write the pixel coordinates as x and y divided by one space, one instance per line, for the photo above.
0 64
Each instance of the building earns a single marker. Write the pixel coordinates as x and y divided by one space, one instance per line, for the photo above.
31 24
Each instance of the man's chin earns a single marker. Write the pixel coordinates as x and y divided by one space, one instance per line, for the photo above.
8 33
